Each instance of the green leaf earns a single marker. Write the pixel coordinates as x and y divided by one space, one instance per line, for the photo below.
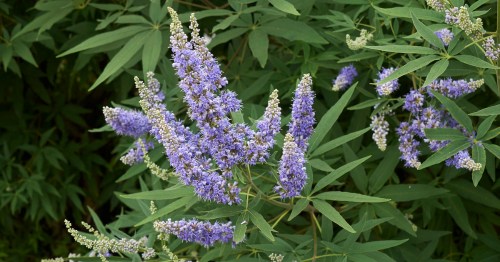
46 20
367 103
106 38
350 197
334 175
129 50
494 149
475 61
258 220
284 6
220 212
443 134
384 169
444 153
97 221
327 121
457 113
436 71
170 193
293 30
225 23
22 50
320 165
479 156
426 32
491 134
405 49
298 207
338 142
373 246
240 228
410 192
358 57
151 51
226 36
332 214
476 194
167 210
404 12
133 19
458 212
259 44
409 67
484 127
398 219
489 111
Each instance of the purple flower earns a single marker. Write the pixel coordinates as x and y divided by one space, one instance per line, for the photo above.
454 88
126 122
201 79
203 233
414 101
445 35
184 149
463 160
136 154
267 128
408 145
491 49
301 124
345 78
292 172
388 87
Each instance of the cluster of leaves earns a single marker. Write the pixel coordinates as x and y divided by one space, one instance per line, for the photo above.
359 203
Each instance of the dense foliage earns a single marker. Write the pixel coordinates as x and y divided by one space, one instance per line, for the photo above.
394 159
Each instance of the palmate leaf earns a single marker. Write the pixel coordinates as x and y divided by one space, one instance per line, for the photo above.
151 51
484 127
479 156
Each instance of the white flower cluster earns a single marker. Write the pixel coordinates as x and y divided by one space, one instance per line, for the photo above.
360 41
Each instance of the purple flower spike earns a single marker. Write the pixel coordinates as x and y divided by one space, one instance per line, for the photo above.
267 128
136 154
389 87
455 88
414 101
445 35
204 233
345 78
292 172
126 122
301 125
408 145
